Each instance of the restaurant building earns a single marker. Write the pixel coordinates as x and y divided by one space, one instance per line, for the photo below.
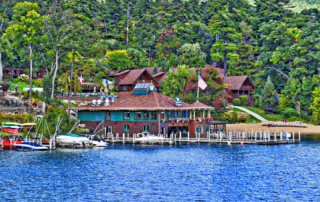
146 110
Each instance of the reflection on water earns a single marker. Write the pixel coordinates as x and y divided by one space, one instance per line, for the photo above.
165 173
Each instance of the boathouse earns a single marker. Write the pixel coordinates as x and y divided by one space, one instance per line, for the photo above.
146 110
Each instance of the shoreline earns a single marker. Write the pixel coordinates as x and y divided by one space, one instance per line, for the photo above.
310 130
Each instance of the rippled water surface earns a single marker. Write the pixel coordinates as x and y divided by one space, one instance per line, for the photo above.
164 173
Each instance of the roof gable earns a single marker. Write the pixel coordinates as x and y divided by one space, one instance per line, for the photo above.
236 82
133 76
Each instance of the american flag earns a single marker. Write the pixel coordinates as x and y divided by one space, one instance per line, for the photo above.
201 83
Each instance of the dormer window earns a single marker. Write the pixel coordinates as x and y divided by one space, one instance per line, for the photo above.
140 78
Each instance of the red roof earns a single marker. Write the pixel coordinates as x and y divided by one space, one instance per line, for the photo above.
133 75
199 105
152 101
236 82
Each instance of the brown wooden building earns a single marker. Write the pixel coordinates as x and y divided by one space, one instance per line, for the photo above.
128 79
145 110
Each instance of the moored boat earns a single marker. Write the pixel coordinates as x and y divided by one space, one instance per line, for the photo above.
10 144
30 146
95 141
71 138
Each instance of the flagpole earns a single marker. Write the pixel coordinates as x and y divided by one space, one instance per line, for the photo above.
198 87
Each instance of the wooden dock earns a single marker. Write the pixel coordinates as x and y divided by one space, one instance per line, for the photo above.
232 137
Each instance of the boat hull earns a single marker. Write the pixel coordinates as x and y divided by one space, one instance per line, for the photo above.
98 144
63 139
10 146
30 146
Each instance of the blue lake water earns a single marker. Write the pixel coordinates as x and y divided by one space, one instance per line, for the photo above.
164 173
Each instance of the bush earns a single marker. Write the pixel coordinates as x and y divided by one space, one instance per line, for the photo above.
268 110
242 119
236 102
244 100
234 117
256 103
293 118
36 94
7 78
16 80
37 83
289 112
24 78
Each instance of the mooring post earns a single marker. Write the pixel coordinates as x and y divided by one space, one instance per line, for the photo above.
255 137
293 136
188 138
180 137
134 137
299 136
275 136
287 136
123 137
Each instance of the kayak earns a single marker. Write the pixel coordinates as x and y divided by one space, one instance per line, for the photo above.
11 123
28 124
14 127
10 130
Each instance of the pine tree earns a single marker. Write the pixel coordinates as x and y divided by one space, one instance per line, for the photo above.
270 98
155 70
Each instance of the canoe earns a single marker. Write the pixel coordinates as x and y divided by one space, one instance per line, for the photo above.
11 123
10 130
28 124
14 127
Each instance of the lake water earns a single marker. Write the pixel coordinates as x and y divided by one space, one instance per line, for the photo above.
165 173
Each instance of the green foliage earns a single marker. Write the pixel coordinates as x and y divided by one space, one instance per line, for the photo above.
175 82
46 83
270 97
119 60
290 112
236 102
315 106
256 103
244 100
37 83
235 118
16 80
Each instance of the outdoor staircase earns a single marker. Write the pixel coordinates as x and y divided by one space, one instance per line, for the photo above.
250 101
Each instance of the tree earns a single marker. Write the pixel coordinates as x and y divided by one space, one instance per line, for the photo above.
315 106
213 95
175 82
55 26
26 28
119 60
269 96
191 55
5 47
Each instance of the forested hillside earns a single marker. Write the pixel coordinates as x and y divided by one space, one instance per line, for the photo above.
305 4
73 37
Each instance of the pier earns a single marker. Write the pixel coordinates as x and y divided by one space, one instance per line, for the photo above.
231 137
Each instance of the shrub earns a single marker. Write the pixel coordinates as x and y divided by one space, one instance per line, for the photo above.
7 78
36 94
289 112
242 119
293 118
268 109
256 103
24 78
236 102
16 80
234 117
37 83
244 100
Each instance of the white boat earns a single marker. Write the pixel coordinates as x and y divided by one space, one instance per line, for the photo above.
95 141
30 146
148 138
71 138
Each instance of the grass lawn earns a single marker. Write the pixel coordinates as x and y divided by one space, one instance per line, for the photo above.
261 112
249 120
20 86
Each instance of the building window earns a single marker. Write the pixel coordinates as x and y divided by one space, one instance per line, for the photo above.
169 114
124 88
179 114
145 115
140 77
198 129
162 115
109 130
145 128
126 115
108 116
126 127
153 115
207 129
137 116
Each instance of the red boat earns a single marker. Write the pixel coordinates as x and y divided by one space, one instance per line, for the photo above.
10 130
7 145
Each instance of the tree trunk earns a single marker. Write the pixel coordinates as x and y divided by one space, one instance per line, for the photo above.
128 13
225 68
1 70
70 88
217 38
105 26
55 74
30 90
116 22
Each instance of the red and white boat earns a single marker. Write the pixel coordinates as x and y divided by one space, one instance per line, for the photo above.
9 144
